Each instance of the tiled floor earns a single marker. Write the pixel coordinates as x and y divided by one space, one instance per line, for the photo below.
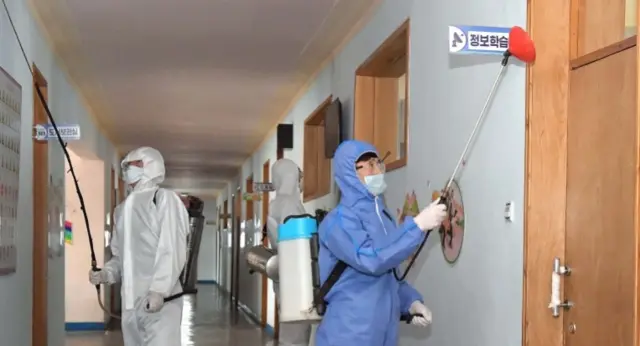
206 320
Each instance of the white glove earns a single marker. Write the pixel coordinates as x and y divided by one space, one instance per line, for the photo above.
98 277
431 216
153 302
418 308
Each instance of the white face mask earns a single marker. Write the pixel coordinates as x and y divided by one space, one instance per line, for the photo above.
133 174
375 184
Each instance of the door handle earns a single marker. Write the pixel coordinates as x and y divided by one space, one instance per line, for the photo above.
556 303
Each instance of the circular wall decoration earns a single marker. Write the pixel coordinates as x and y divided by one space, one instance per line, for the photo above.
452 229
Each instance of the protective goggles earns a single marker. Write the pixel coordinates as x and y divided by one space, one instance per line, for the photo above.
135 163
371 165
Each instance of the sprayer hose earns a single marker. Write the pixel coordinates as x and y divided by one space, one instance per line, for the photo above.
443 200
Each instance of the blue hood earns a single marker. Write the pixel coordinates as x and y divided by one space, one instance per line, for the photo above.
344 170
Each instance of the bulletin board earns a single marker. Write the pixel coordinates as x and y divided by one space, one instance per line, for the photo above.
56 218
10 123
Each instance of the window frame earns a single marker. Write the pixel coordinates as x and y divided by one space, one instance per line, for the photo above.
380 71
316 167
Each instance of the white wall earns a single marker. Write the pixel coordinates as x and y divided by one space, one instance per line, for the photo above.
16 296
478 300
80 303
208 244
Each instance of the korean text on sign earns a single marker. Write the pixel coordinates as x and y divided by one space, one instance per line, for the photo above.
65 132
478 40
488 41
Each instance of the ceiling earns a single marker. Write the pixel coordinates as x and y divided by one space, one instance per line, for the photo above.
203 81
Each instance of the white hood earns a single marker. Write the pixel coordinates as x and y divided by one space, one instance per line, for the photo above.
288 201
286 177
153 168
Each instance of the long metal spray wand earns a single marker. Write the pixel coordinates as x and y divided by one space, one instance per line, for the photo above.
483 114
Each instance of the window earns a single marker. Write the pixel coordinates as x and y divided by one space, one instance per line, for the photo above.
381 98
316 167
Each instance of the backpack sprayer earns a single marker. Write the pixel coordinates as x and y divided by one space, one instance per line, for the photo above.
63 145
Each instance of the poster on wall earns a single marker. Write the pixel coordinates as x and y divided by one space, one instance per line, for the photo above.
409 208
10 122
56 217
68 233
252 196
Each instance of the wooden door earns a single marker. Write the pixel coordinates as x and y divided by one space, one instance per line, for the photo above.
601 212
39 328
265 242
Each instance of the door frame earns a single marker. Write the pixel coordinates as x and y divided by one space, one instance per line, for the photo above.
276 327
264 309
216 275
249 204
39 326
235 248
227 266
552 25
114 203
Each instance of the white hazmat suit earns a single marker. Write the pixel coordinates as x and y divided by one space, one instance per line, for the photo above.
286 181
149 248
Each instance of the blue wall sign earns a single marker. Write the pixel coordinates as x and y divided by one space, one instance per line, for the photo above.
47 132
478 40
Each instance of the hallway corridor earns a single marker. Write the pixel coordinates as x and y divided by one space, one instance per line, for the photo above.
206 320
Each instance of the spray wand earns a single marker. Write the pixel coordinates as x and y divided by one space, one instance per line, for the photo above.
522 48
63 145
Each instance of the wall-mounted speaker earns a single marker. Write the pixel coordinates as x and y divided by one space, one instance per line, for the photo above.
284 137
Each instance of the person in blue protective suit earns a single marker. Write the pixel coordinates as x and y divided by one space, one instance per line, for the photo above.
365 304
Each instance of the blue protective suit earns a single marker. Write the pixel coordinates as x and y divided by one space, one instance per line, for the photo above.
364 306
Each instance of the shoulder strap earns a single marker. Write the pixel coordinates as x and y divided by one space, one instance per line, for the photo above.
155 195
333 278
319 302
265 233
155 202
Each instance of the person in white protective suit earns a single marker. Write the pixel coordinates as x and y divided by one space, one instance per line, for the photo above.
288 201
149 248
